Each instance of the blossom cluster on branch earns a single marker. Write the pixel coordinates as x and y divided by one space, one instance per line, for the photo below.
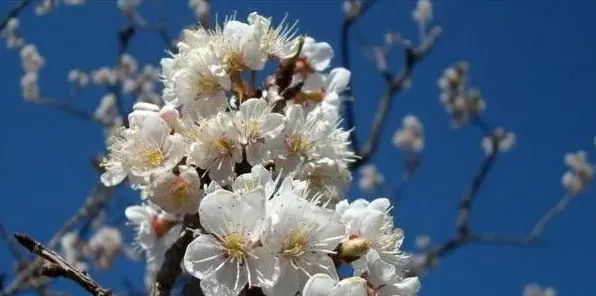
265 165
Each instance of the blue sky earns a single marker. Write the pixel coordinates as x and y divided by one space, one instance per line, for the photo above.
533 61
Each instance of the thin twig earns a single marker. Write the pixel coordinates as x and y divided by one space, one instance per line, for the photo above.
65 107
10 245
345 58
394 86
466 204
98 198
14 12
58 267
170 269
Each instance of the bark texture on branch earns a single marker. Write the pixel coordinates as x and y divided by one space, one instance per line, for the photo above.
56 266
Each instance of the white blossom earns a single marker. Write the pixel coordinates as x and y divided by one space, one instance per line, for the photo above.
325 285
300 235
230 253
105 245
107 110
143 152
505 140
257 126
177 193
580 173
217 148
104 76
29 86
155 232
78 78
370 178
31 60
410 137
372 223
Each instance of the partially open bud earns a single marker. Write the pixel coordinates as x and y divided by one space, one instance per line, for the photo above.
170 114
140 111
161 224
353 248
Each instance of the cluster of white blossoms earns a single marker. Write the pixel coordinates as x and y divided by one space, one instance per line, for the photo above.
101 247
580 174
11 34
264 166
461 102
410 137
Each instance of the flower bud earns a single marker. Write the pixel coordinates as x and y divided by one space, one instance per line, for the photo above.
353 248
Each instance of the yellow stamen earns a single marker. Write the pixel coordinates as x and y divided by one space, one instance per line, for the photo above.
152 158
208 86
223 145
295 244
235 246
297 144
180 192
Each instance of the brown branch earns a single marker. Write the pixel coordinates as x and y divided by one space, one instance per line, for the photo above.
65 107
14 12
345 58
466 204
170 269
97 199
58 267
10 246
394 85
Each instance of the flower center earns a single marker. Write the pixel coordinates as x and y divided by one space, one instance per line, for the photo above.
179 192
234 247
233 61
297 144
152 158
295 244
208 86
223 145
252 129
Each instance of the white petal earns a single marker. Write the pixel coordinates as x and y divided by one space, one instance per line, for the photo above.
319 55
137 214
256 153
319 285
217 210
338 80
202 256
354 286
155 130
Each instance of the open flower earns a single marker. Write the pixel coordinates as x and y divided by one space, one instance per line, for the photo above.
143 152
217 148
257 126
371 225
301 236
230 253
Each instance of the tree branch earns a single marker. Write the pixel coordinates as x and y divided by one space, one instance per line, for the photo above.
65 107
14 12
58 267
97 199
170 269
394 85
